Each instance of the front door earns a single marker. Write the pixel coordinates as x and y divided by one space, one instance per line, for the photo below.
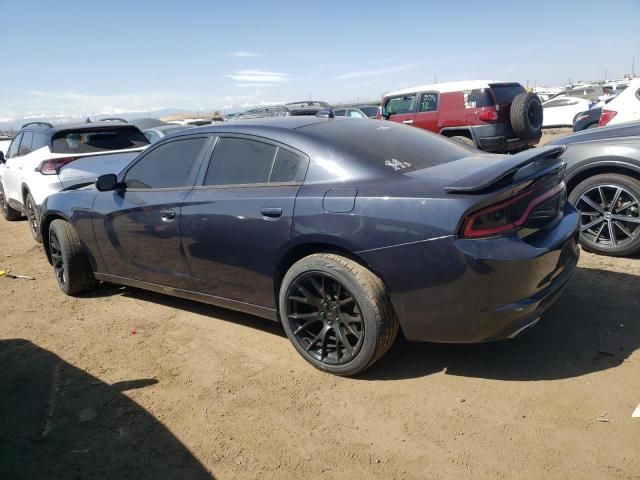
237 223
138 227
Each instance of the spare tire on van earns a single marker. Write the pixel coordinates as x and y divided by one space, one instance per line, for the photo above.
526 116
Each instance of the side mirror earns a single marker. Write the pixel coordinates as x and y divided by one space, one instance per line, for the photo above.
2 159
387 114
107 182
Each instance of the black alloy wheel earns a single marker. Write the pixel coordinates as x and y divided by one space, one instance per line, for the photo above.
32 217
337 313
57 261
325 318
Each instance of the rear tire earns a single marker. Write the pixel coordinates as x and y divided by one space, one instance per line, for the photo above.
32 217
526 116
9 214
609 206
336 313
71 266
464 140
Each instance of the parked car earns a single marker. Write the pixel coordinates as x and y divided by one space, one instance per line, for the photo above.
625 107
493 116
44 159
155 134
292 109
587 119
393 228
603 182
145 123
5 141
370 110
348 111
561 111
590 118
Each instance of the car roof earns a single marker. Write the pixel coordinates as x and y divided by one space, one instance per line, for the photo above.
284 123
445 87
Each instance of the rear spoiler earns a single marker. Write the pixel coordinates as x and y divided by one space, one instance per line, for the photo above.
493 172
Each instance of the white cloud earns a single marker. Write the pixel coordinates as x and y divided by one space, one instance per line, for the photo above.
375 73
258 76
244 53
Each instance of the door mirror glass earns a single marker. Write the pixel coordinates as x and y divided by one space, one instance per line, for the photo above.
107 182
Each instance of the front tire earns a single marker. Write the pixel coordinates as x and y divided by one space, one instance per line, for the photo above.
9 214
32 217
336 313
609 206
71 266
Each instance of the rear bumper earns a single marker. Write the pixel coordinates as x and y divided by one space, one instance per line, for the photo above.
499 138
471 291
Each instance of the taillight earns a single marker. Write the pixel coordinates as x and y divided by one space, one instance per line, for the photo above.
514 213
488 115
53 166
606 116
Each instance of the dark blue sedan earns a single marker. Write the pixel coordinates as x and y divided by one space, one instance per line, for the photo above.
345 231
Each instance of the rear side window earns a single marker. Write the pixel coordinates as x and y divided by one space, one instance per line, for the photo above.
25 143
237 161
13 149
97 140
401 104
477 98
428 102
288 167
339 113
167 166
506 92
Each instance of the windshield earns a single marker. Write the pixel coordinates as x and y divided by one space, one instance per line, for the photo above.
506 92
97 140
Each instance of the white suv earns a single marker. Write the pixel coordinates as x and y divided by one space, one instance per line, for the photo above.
43 159
624 108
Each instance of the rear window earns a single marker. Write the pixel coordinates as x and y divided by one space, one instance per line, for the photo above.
390 145
97 140
506 92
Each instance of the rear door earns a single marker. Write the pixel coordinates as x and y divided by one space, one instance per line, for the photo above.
138 228
237 222
427 115
401 108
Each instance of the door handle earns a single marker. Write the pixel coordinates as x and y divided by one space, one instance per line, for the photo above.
271 212
408 122
168 215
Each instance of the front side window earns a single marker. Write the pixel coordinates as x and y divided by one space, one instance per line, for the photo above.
428 102
356 114
237 161
13 148
167 166
401 104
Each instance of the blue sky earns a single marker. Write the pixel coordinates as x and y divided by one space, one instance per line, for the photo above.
71 57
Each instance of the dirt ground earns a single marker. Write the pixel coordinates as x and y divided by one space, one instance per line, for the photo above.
129 384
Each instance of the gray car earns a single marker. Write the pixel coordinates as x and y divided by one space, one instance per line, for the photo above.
603 181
